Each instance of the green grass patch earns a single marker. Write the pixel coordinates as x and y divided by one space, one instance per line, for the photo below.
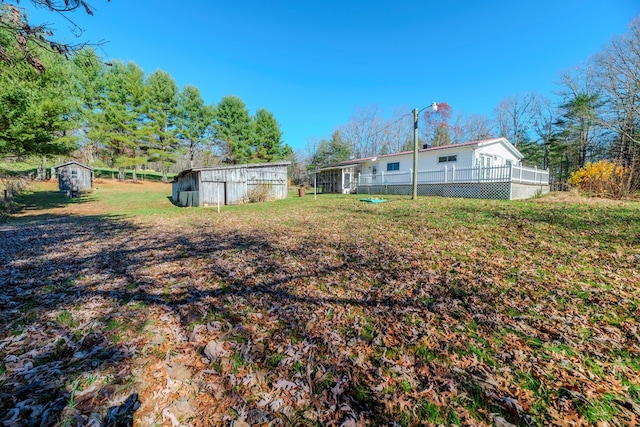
66 319
379 307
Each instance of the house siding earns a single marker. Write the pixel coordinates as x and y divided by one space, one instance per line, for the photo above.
481 169
497 150
430 161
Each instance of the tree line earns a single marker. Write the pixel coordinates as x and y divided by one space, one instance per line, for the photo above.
63 102
594 115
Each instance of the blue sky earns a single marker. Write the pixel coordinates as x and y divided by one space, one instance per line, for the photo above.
313 63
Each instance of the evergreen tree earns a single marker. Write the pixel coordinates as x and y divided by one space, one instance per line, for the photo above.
533 153
194 120
89 78
234 130
332 151
576 126
161 107
268 138
121 116
37 107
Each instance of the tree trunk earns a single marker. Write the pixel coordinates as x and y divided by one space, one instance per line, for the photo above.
43 177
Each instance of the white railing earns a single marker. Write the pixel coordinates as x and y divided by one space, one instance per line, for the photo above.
451 174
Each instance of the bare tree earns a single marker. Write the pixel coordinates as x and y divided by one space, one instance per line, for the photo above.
618 79
514 116
398 131
436 128
364 131
544 118
473 127
576 124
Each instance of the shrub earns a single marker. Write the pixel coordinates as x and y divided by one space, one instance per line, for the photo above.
603 177
14 185
259 193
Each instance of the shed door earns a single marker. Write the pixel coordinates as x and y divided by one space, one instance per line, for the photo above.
219 193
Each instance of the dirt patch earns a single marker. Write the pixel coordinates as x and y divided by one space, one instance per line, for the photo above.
575 197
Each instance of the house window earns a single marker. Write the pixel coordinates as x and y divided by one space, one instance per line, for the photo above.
445 159
74 174
485 161
395 166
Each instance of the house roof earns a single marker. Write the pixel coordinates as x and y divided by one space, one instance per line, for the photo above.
504 141
73 162
223 167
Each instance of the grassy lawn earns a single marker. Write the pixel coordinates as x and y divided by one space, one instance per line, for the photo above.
319 311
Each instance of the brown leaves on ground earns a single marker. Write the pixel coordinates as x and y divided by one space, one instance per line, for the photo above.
322 313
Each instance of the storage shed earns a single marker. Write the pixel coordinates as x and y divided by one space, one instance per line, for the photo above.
74 177
230 185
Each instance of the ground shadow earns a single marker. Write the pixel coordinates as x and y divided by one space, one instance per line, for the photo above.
32 203
57 262
319 311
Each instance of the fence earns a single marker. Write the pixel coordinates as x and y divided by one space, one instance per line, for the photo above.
507 173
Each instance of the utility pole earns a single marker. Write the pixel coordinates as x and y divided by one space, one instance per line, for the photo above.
415 154
433 107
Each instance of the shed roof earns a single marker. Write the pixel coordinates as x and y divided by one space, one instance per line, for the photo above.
241 166
73 162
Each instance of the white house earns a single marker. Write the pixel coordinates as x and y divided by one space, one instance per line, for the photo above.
481 169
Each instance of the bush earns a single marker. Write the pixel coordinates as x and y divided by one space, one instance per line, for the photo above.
14 185
603 177
259 193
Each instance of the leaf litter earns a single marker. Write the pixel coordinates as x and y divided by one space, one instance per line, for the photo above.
337 314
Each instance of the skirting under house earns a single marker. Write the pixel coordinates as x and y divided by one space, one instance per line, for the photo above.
473 190
501 182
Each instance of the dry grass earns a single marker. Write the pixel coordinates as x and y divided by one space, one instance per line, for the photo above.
321 312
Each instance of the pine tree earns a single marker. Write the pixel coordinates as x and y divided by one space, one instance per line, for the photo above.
268 138
234 130
121 117
161 107
194 120
37 107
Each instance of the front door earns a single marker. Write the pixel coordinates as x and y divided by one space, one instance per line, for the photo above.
485 165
